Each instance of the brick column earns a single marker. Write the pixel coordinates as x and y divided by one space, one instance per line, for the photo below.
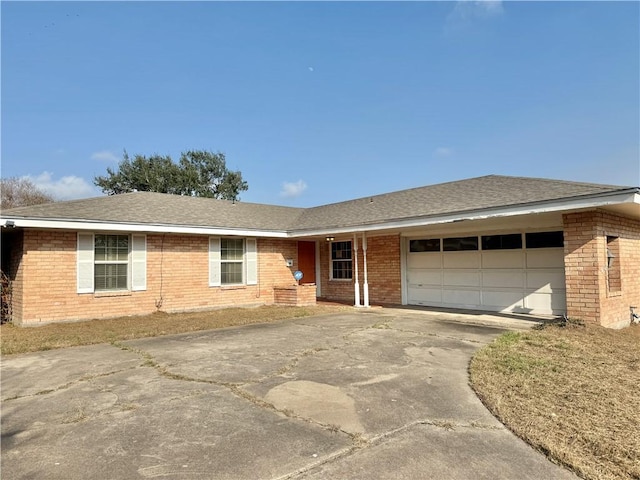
581 266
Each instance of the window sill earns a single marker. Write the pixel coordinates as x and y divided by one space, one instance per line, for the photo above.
341 280
617 293
233 287
113 293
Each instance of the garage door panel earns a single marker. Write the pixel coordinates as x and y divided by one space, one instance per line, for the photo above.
461 260
540 302
469 298
503 278
425 277
425 295
503 259
425 260
507 301
545 258
546 280
460 278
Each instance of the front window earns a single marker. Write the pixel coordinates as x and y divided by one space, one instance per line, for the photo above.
111 256
231 260
341 261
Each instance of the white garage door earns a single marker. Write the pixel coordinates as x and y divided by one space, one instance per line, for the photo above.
503 273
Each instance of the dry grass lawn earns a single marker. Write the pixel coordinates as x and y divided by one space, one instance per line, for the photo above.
573 392
60 335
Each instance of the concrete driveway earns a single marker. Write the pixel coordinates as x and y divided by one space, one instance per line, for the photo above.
371 394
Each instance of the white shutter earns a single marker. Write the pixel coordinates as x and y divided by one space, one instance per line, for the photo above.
214 262
138 262
252 261
85 253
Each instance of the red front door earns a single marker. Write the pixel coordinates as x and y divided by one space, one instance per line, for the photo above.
307 261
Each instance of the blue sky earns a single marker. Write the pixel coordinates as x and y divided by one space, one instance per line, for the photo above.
319 102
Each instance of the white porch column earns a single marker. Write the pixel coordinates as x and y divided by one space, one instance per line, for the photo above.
364 267
356 285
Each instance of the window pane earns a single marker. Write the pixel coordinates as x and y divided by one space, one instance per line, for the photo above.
111 276
341 250
426 245
232 248
231 273
100 247
502 242
342 269
544 240
460 243
111 248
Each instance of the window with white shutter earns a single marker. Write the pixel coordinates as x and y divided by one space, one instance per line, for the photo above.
110 262
233 261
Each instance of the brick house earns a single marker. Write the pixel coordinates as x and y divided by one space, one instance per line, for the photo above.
493 243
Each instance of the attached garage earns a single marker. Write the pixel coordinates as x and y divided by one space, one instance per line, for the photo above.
514 272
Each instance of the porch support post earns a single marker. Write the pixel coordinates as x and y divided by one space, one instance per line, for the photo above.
356 285
364 267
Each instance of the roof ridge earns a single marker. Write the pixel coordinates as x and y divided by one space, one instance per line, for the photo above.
569 182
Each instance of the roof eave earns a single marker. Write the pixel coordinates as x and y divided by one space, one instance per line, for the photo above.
82 225
630 196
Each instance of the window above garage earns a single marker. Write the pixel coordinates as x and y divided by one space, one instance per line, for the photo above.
544 239
455 244
511 241
424 245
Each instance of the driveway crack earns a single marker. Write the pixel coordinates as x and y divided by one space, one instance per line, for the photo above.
84 378
237 390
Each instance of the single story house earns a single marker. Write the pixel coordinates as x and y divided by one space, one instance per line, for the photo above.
493 243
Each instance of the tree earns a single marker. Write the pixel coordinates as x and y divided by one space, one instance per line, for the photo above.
20 192
199 173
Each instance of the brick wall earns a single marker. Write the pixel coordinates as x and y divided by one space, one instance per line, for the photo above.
596 293
177 279
298 295
383 267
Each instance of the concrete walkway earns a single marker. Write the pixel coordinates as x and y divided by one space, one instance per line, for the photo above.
372 394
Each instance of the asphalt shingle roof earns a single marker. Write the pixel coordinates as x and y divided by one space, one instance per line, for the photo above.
163 209
448 198
442 199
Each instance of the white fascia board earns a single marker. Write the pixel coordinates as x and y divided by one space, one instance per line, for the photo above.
626 197
21 222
